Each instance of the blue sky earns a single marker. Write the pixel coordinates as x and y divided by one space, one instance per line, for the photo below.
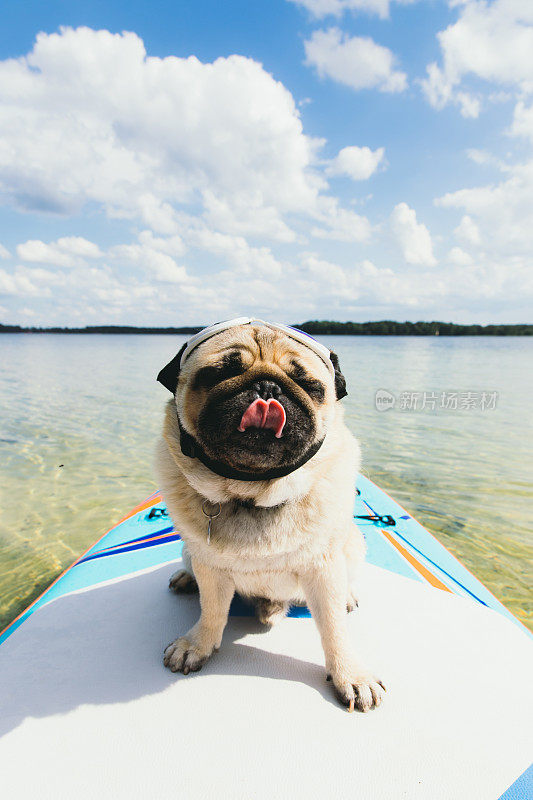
179 163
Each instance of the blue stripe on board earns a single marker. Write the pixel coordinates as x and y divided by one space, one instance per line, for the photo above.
522 788
393 527
442 570
137 539
139 546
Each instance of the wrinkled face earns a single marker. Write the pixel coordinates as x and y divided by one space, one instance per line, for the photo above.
254 398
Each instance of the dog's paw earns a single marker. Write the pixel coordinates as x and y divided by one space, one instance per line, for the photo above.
182 655
182 582
351 601
356 689
270 611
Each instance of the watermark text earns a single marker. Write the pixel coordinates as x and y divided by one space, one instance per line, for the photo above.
448 400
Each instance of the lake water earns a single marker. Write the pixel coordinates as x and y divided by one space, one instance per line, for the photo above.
80 414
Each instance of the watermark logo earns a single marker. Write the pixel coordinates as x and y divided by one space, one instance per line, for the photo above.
449 400
384 400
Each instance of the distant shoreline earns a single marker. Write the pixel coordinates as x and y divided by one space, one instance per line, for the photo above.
316 328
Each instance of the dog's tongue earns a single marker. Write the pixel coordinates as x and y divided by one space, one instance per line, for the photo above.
264 414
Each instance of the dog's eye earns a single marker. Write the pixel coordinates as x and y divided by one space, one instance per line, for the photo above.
313 387
230 366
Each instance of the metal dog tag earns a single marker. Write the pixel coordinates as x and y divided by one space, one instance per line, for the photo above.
211 515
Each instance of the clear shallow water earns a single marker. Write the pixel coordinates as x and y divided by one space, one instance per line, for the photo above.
92 405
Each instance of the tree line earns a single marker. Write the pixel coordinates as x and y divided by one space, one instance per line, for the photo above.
392 328
316 328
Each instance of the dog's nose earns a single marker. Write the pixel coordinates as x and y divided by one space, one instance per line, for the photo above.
266 389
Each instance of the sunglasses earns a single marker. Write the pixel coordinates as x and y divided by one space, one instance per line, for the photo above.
299 336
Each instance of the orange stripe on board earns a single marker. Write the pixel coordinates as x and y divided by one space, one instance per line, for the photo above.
414 563
147 503
447 550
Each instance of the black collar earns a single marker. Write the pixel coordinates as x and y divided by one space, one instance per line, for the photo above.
191 448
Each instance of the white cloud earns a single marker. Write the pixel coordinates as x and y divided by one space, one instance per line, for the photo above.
246 215
143 136
203 155
360 282
78 246
312 284
437 87
324 8
28 313
340 224
23 283
363 285
522 124
155 256
491 41
210 158
460 257
68 251
469 105
104 295
413 237
503 212
4 252
171 245
481 157
243 259
357 62
440 91
359 163
159 215
332 278
497 222
468 231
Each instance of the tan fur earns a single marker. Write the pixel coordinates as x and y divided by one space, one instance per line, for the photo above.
298 543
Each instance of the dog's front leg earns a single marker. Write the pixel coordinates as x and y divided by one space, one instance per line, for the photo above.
190 652
325 588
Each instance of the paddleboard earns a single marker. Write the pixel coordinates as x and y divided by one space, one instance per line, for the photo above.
90 711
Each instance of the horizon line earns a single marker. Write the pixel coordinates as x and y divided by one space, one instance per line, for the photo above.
316 327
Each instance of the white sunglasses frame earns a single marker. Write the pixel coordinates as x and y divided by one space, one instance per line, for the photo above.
299 336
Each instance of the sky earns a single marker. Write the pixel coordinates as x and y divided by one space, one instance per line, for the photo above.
179 163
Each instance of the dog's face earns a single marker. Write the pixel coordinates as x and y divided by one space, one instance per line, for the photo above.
254 398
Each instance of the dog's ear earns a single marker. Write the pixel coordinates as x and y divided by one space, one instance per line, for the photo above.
340 380
169 375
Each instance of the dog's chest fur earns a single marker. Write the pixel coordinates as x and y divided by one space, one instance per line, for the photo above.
246 538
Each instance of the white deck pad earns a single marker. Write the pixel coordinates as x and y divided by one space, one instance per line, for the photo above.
89 711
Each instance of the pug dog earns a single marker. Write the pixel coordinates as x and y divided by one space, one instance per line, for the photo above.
257 469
